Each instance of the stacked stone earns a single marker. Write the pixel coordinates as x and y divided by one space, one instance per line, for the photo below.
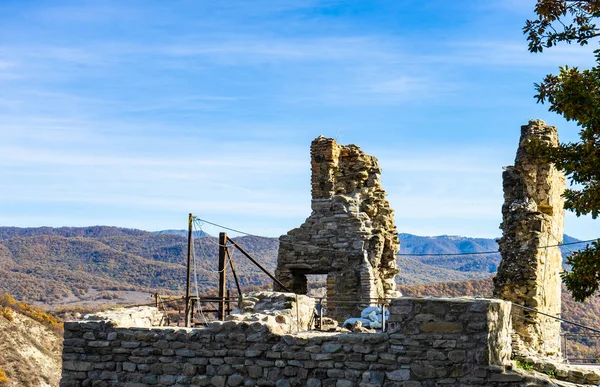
430 342
283 312
350 235
451 341
532 218
141 317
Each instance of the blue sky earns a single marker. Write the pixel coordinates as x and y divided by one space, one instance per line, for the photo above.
135 113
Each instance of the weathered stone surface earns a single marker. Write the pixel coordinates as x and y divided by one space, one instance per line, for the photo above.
532 218
405 355
281 313
142 316
441 327
399 375
350 235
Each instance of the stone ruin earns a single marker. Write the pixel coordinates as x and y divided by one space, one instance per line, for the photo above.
429 342
350 235
533 217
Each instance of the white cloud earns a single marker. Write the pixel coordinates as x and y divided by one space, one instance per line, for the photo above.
261 162
348 68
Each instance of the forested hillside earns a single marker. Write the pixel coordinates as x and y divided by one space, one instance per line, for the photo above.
47 264
51 265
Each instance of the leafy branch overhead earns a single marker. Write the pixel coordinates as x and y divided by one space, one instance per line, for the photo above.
574 94
562 21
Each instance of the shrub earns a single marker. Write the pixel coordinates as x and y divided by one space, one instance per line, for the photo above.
7 313
524 365
4 380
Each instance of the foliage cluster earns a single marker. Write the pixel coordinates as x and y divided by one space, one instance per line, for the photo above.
7 313
4 380
524 365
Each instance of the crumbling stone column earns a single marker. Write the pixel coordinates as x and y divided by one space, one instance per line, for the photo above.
350 235
532 218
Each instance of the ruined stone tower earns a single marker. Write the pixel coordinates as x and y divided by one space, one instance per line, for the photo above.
350 235
532 218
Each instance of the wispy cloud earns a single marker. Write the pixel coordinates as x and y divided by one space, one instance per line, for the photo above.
32 156
241 49
358 68
515 55
156 110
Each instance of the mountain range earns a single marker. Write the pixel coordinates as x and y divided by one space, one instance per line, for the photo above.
69 264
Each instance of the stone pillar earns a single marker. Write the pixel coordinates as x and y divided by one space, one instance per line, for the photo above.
532 218
350 235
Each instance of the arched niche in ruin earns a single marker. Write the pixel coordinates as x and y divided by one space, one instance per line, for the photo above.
350 235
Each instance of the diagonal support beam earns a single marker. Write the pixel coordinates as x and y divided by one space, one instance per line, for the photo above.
259 265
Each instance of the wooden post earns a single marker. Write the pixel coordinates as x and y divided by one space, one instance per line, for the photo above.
222 273
228 303
188 309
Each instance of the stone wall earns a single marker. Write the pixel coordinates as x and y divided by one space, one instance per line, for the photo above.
532 218
430 342
350 235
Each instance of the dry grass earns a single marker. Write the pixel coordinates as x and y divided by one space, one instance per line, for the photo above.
30 345
7 303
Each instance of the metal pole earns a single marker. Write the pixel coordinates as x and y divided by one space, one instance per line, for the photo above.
188 310
383 317
222 273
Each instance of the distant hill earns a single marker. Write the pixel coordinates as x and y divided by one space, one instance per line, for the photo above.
417 248
182 233
51 264
459 268
68 264
68 232
444 244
